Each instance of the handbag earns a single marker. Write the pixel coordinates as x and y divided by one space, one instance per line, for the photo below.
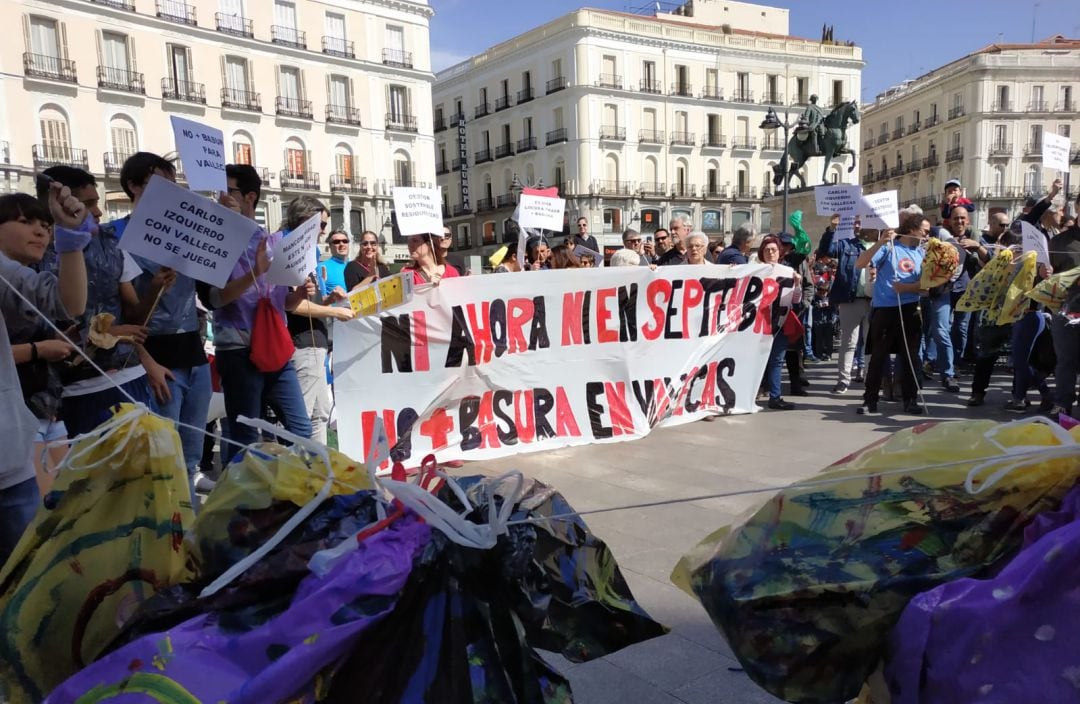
271 344
793 328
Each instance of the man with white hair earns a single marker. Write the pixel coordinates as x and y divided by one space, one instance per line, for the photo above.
625 257
680 227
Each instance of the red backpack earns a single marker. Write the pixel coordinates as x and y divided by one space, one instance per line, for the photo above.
271 344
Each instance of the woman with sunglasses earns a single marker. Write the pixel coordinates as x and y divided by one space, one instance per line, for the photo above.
428 263
367 266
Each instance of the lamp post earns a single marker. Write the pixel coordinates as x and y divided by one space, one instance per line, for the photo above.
770 124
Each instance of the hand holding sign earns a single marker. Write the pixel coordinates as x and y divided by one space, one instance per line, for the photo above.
1055 151
294 255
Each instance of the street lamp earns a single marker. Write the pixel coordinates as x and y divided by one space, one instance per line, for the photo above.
770 124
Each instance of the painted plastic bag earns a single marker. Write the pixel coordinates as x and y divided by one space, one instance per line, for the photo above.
1053 290
1016 302
109 538
987 285
940 263
801 241
807 589
222 656
1009 638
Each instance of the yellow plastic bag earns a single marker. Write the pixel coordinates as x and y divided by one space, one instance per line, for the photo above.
1052 291
1016 301
988 285
807 588
110 539
939 264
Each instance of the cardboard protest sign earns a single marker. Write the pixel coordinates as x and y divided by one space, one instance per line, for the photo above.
294 256
174 227
1055 151
838 198
419 210
540 212
880 210
382 295
1035 241
846 229
202 151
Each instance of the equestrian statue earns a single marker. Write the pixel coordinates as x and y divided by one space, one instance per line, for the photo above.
817 134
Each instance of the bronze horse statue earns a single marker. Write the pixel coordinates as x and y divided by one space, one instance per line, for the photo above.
833 143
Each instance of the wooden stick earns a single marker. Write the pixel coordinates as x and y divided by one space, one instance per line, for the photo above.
146 322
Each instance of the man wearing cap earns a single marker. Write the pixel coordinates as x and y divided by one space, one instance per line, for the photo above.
954 198
795 354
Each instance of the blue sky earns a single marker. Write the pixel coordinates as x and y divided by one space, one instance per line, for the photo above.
900 38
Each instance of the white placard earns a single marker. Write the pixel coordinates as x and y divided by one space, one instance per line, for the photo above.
539 212
174 227
880 210
837 199
294 256
202 151
1055 151
419 211
1035 241
846 229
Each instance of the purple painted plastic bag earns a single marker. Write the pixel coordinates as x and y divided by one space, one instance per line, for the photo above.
202 661
1012 638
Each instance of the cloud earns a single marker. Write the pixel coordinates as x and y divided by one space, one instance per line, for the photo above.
443 59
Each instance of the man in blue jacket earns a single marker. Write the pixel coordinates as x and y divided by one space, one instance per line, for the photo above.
851 292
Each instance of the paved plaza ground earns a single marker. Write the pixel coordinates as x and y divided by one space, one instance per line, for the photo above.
693 664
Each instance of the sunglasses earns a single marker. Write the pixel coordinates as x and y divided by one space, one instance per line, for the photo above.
369 243
339 241
633 241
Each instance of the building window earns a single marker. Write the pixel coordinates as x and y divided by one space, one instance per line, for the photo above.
403 170
236 77
395 47
1001 136
712 220
295 159
336 41
115 57
556 68
340 98
489 232
290 85
837 92
1033 181
343 163
180 67
398 103
955 140
650 220
243 152
802 90
612 220
739 218
122 134
55 137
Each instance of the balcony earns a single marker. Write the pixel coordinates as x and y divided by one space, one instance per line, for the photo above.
483 156
439 124
502 103
50 67
294 107
1038 106
288 36
897 133
743 96
882 139
177 11
766 190
300 180
801 101
1033 148
1001 106
653 189
1001 149
745 193
613 133
504 150
441 168
612 188
869 177
930 202
342 115
241 100
896 171
683 139
712 93
401 122
914 127
931 160
526 145
650 86
114 161
913 166
556 136
772 98
999 193
234 25
460 210
682 90
714 141
868 144
117 4
5 152
745 143
186 91
482 109
58 154
397 57
609 80
683 190
485 204
650 136
714 192
772 143
932 121
456 164
353 185
556 84
956 111
120 79
525 95
954 155
338 46
1065 106
456 119
504 201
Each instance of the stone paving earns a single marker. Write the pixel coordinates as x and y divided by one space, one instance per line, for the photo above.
692 664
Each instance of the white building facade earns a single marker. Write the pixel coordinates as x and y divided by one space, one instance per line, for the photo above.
979 119
635 118
324 97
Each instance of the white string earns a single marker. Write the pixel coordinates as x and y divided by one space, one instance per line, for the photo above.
915 376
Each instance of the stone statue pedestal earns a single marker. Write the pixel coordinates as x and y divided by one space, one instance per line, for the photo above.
798 199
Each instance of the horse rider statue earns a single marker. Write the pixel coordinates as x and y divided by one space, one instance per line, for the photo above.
811 129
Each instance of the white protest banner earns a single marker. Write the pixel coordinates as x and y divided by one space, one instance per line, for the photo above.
1055 151
202 151
419 210
174 227
479 368
880 210
540 212
832 199
295 255
1035 241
